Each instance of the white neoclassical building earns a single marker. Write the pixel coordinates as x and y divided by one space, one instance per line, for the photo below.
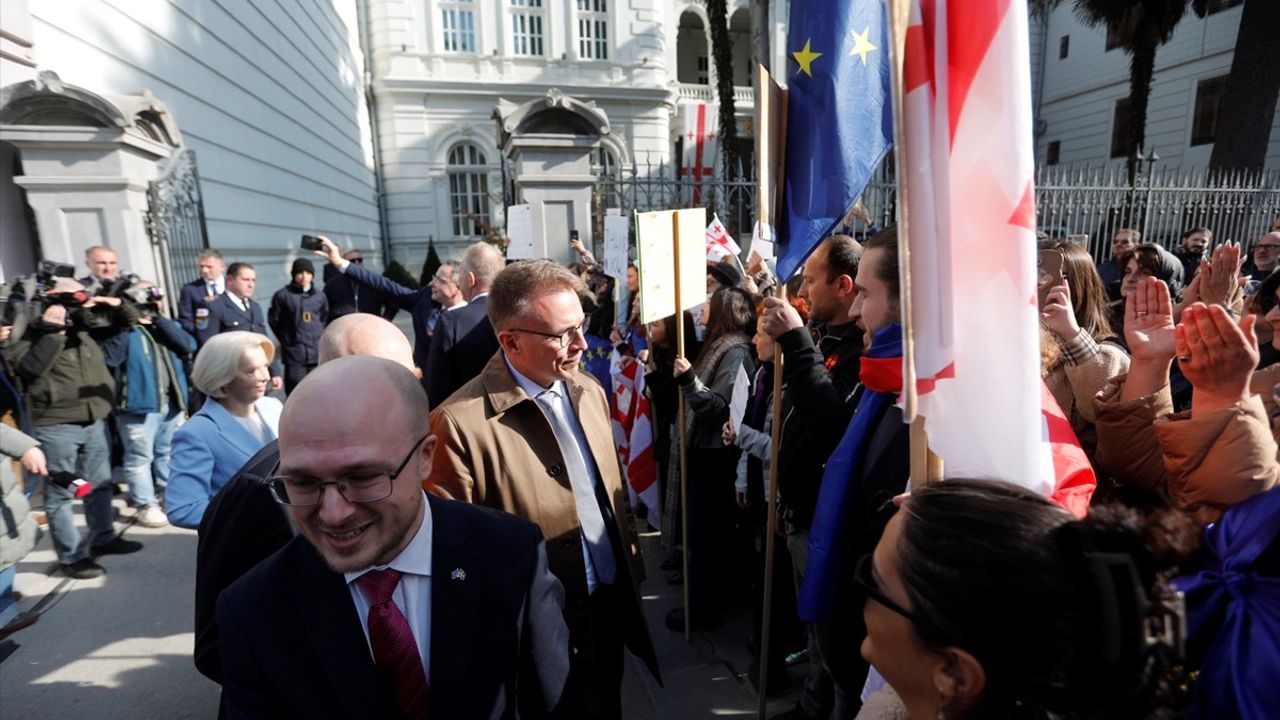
477 102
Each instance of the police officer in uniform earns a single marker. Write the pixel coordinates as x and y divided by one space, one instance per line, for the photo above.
236 310
297 316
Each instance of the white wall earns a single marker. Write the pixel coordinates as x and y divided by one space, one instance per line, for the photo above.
267 93
1080 91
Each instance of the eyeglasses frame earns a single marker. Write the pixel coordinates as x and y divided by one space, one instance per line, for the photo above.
270 481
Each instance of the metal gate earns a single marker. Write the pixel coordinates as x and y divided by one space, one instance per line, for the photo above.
175 222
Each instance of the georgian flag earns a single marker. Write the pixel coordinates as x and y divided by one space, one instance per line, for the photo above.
719 242
701 126
967 167
633 435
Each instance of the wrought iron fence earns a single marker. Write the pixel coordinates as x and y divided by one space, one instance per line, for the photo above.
175 221
1162 203
1094 201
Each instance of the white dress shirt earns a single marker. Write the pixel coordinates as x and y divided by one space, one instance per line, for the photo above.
412 594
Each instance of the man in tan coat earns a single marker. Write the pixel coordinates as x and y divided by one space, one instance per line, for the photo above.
531 435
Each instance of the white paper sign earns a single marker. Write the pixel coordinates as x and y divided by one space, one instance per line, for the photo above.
738 400
762 241
615 246
520 232
612 211
656 249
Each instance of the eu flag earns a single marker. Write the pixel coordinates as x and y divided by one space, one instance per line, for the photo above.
839 117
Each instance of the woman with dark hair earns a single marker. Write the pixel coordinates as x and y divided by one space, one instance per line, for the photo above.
1086 355
707 386
1146 260
985 600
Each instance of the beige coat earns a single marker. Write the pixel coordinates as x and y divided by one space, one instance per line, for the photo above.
1204 464
497 449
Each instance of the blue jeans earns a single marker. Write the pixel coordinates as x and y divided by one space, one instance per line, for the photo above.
147 438
84 450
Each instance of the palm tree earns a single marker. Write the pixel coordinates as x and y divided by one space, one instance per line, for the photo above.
1139 27
722 56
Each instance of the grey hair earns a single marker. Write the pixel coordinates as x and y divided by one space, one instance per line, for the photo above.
218 361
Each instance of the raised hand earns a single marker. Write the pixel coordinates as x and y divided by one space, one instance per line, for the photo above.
1057 313
1218 283
1148 321
1216 355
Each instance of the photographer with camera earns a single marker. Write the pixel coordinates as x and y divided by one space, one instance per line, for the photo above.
151 380
69 394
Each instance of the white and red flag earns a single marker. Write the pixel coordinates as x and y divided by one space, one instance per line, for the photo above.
633 435
701 128
967 166
719 242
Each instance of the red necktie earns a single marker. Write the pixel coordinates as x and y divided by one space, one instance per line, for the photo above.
395 651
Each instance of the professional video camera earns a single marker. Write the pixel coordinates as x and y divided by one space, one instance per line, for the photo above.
25 301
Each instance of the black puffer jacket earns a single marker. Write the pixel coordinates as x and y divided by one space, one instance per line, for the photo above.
821 380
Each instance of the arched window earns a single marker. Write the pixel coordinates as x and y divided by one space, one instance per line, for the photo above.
468 190
692 63
604 165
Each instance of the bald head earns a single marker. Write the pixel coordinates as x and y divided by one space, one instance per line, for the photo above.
365 334
384 384
480 264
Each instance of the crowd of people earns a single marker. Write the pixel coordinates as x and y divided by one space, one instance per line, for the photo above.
479 554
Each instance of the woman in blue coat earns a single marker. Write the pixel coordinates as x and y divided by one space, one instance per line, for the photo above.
233 370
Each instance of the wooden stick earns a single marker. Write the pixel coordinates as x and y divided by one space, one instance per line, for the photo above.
765 195
684 440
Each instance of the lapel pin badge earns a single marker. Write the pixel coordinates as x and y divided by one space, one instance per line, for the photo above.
458 574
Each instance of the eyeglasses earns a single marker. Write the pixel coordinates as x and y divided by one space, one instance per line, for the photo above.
357 260
864 578
1266 246
303 491
564 337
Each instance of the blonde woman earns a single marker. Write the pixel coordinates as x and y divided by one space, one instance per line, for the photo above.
232 369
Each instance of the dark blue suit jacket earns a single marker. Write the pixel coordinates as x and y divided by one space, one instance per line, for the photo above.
225 316
191 298
417 302
291 644
463 343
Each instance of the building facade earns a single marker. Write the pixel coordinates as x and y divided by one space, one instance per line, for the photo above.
100 97
1081 87
447 72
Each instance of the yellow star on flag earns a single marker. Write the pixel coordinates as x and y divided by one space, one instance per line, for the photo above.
862 44
805 59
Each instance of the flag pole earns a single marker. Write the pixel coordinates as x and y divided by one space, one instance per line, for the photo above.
767 91
684 441
926 466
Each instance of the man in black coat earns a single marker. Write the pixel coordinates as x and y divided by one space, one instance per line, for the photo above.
821 379
347 296
236 310
297 316
389 603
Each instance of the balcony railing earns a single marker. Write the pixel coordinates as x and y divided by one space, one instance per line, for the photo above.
742 96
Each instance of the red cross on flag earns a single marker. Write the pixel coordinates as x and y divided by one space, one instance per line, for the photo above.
701 124
719 242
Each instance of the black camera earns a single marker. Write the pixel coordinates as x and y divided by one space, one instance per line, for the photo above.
24 303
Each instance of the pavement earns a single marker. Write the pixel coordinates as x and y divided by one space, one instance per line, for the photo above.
120 646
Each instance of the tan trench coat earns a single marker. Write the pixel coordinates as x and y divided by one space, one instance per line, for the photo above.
497 449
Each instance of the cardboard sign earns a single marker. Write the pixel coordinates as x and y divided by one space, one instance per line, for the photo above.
616 228
657 250
520 232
